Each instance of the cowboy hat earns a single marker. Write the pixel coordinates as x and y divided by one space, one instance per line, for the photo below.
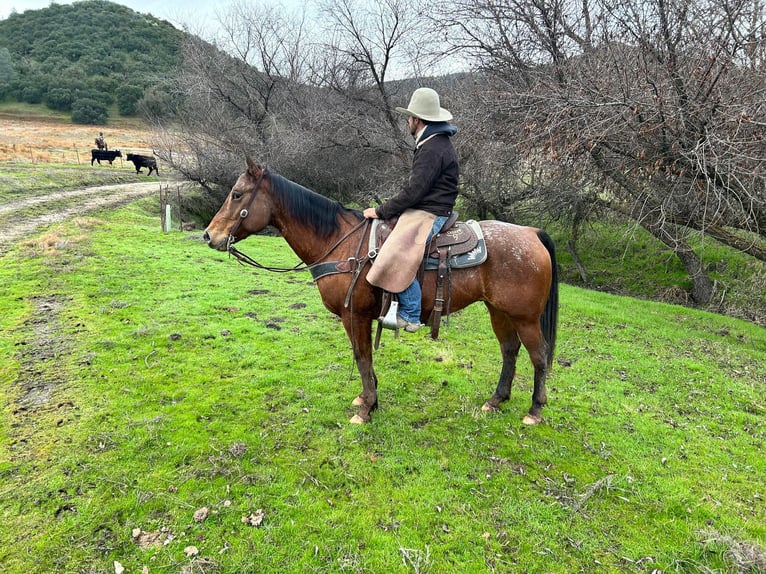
424 104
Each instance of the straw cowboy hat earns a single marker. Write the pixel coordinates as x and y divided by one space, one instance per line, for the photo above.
424 104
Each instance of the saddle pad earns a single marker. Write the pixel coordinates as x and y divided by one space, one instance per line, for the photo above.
476 256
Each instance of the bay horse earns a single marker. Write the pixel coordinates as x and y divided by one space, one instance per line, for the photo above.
518 282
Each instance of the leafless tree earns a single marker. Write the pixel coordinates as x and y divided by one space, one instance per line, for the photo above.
654 109
314 102
242 93
365 51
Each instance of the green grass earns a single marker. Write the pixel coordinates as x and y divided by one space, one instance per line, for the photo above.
632 262
19 180
25 110
177 379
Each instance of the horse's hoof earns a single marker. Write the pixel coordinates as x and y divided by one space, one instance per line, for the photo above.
357 420
488 408
358 401
530 420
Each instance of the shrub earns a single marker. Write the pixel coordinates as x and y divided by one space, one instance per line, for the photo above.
127 99
89 111
32 95
59 99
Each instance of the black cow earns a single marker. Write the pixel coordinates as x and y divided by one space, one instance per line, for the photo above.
143 161
98 155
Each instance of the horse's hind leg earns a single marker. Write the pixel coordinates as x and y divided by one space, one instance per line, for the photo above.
532 338
509 341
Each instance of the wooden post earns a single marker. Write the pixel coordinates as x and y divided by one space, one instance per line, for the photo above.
162 209
180 220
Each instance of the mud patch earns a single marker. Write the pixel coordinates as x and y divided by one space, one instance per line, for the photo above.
39 355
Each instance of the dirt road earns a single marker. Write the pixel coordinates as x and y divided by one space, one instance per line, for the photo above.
65 205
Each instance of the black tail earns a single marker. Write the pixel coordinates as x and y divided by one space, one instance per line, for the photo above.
550 317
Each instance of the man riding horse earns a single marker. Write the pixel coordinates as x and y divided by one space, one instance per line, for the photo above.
423 205
101 142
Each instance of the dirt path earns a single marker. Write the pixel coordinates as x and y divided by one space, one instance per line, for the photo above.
75 202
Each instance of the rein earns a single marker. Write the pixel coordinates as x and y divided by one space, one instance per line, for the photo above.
246 259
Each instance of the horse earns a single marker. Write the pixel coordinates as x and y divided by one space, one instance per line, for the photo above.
518 281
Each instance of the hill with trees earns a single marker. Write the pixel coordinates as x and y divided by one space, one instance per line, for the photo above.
85 57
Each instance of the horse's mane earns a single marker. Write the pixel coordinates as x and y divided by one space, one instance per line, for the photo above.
309 207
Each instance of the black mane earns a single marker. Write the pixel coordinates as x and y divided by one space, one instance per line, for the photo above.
316 211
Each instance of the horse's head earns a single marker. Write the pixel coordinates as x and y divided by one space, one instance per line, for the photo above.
247 209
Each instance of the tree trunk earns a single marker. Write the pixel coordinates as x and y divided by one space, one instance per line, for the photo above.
572 248
702 285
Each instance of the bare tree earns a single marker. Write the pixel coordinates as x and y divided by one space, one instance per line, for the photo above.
365 52
239 94
659 105
315 102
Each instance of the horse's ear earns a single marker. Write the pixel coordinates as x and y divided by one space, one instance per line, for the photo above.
253 168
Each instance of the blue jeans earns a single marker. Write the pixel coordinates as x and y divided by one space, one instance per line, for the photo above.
409 299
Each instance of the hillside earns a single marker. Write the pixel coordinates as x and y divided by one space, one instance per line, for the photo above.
92 54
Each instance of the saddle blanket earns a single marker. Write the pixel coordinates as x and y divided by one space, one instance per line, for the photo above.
472 258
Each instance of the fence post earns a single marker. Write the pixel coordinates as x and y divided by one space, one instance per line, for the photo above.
162 209
180 219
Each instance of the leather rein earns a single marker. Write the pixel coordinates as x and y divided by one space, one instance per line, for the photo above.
351 265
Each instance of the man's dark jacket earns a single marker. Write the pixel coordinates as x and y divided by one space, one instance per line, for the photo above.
432 185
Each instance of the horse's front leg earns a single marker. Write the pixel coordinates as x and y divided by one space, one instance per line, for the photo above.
359 330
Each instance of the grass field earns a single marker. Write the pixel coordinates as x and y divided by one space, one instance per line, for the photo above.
169 410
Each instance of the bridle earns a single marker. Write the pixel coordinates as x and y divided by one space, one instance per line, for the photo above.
242 216
243 258
246 259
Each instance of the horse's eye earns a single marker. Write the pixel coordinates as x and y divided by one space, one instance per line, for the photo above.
236 195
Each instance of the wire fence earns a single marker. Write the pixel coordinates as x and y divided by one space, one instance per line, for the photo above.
76 154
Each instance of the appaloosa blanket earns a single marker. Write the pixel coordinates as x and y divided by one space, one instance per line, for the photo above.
400 256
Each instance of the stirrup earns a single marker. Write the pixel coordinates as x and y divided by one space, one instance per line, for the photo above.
390 305
389 321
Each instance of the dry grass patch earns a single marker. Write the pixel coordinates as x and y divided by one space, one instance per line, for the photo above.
56 241
744 557
50 141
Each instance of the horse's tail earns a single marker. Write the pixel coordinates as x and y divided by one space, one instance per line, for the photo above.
550 317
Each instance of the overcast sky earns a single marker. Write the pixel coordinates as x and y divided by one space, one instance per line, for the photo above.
197 15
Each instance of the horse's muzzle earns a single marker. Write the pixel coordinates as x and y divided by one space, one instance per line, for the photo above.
219 245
